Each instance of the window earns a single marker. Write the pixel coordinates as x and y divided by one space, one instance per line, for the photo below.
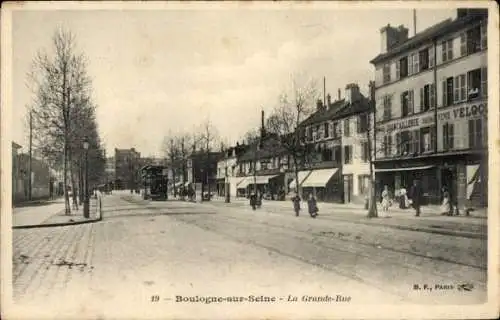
405 138
309 133
326 154
337 156
407 103
415 142
326 129
427 139
431 57
447 87
362 125
386 71
484 82
337 132
387 108
448 136
398 72
363 184
463 44
387 147
413 64
484 35
403 67
476 133
447 50
347 154
425 98
459 87
424 59
473 84
347 131
364 152
474 40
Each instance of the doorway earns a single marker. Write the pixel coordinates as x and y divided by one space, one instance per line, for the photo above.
448 180
348 180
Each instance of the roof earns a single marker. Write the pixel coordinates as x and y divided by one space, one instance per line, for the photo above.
326 114
342 110
271 148
436 31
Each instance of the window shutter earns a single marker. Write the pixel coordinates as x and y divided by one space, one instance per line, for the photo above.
451 136
411 108
445 136
398 70
456 89
479 132
431 57
432 96
471 133
484 82
444 87
422 104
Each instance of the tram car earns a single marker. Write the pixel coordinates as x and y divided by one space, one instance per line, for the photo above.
154 182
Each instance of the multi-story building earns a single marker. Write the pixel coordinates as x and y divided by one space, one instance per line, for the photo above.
431 106
263 167
228 175
127 165
338 167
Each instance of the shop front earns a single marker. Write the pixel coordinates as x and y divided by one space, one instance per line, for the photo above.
323 184
464 175
270 186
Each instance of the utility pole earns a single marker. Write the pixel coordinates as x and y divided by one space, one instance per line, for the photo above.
30 187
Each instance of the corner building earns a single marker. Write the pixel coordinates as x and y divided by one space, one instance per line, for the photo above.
431 109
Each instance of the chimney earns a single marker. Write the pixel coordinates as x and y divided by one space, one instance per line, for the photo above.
352 93
371 88
319 105
339 94
328 100
392 36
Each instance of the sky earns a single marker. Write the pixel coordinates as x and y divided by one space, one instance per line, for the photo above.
160 71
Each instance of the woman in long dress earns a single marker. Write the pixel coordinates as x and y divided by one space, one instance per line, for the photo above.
386 201
446 205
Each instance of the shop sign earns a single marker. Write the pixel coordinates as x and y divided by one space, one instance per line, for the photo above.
464 112
410 123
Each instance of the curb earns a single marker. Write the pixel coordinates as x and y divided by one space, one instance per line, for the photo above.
60 224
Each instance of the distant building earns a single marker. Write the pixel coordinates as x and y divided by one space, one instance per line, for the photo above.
42 179
202 170
228 174
110 170
431 108
127 166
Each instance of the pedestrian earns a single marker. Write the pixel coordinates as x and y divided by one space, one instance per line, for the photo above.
312 206
416 197
386 201
446 209
403 199
296 204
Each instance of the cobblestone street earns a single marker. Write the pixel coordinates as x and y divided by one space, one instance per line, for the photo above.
143 249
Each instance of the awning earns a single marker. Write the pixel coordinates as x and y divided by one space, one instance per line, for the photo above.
178 184
404 169
243 183
186 184
302 176
258 180
319 178
472 172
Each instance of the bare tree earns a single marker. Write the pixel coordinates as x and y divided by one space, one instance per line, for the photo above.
251 136
60 85
286 119
209 139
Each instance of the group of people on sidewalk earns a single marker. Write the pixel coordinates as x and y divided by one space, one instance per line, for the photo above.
414 199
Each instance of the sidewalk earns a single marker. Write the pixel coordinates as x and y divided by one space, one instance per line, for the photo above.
430 220
52 215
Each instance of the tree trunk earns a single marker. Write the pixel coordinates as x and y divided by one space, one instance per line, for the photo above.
80 182
73 183
67 207
298 189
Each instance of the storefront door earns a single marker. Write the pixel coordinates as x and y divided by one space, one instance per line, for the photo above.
348 180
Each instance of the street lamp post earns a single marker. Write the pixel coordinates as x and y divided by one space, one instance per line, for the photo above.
228 195
86 212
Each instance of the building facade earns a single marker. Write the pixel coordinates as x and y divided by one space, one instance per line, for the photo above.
338 166
110 170
201 170
127 165
431 108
